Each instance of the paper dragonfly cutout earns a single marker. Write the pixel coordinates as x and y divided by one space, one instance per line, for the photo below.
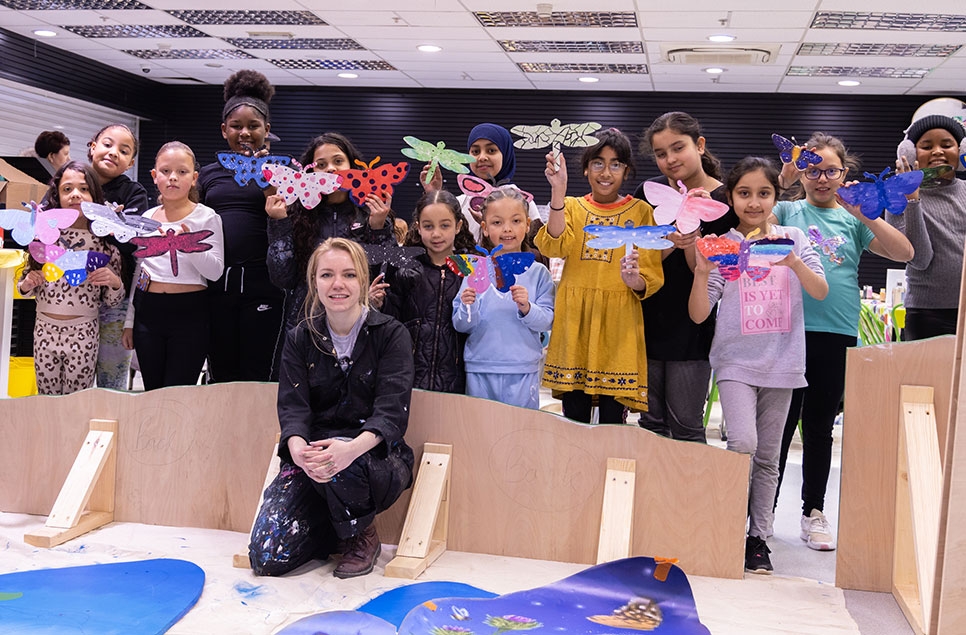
59 263
572 135
437 155
883 193
247 168
299 185
614 236
42 224
500 270
372 180
477 190
790 152
105 221
171 243
829 246
753 257
939 176
689 211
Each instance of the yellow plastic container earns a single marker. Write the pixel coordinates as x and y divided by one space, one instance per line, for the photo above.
23 379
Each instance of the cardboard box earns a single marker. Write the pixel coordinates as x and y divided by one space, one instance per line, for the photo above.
16 187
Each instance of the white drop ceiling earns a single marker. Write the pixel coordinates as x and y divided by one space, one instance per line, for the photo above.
886 45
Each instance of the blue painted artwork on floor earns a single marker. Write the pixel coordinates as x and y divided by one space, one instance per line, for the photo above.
126 598
394 605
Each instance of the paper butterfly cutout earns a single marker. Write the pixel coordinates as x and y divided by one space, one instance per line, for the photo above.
299 185
437 155
105 221
614 236
371 180
670 205
829 246
883 193
247 168
753 257
171 243
790 152
42 224
939 176
962 159
482 271
59 263
477 190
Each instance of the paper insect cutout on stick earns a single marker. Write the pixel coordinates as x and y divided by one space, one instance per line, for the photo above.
372 180
614 236
828 246
437 155
571 135
883 193
72 266
42 224
106 221
247 168
500 270
938 176
671 205
392 255
753 257
299 185
791 152
477 190
171 243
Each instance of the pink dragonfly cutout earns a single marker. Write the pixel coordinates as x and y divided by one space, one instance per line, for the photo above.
171 243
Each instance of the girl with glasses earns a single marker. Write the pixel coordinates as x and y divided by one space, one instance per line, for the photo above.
597 350
839 233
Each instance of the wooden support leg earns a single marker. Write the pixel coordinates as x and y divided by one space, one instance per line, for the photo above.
90 481
240 560
617 512
918 506
424 533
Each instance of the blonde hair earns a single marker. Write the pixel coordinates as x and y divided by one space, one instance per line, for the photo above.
313 305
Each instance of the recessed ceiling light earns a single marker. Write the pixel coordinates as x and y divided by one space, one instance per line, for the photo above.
45 33
849 82
714 70
429 48
721 38
588 80
348 75
213 65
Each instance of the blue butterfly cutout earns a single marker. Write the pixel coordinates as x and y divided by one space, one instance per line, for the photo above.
500 270
614 236
789 152
882 193
248 168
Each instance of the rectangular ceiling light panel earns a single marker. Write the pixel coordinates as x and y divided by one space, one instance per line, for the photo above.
248 17
297 43
135 30
574 46
334 65
620 69
888 72
872 21
882 50
557 18
72 5
190 54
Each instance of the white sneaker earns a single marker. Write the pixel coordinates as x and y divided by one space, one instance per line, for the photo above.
817 532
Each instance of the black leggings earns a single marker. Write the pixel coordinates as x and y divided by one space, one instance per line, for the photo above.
577 406
923 323
170 337
816 406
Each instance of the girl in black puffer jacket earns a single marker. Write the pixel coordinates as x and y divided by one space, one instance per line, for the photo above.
422 297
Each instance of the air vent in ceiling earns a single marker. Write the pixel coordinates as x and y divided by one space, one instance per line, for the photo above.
719 55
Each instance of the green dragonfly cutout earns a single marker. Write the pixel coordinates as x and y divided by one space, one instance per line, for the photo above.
437 155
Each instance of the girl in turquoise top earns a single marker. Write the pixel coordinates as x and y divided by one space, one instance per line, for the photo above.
839 233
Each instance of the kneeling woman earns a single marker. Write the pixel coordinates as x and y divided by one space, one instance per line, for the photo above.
343 405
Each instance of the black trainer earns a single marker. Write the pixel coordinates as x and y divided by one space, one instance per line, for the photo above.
756 556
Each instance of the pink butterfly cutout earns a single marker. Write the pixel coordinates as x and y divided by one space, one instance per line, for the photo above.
308 187
42 224
73 266
688 211
477 190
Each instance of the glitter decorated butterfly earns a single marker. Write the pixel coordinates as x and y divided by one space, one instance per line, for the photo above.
500 270
828 246
614 236
790 152
477 190
882 193
437 155
672 205
72 266
372 180
299 185
248 168
753 257
35 223
106 221
172 243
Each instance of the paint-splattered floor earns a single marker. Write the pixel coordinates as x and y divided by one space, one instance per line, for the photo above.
235 601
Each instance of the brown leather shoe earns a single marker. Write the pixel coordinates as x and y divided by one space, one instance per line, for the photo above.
361 552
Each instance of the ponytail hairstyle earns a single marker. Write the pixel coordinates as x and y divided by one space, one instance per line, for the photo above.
464 242
821 141
193 195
